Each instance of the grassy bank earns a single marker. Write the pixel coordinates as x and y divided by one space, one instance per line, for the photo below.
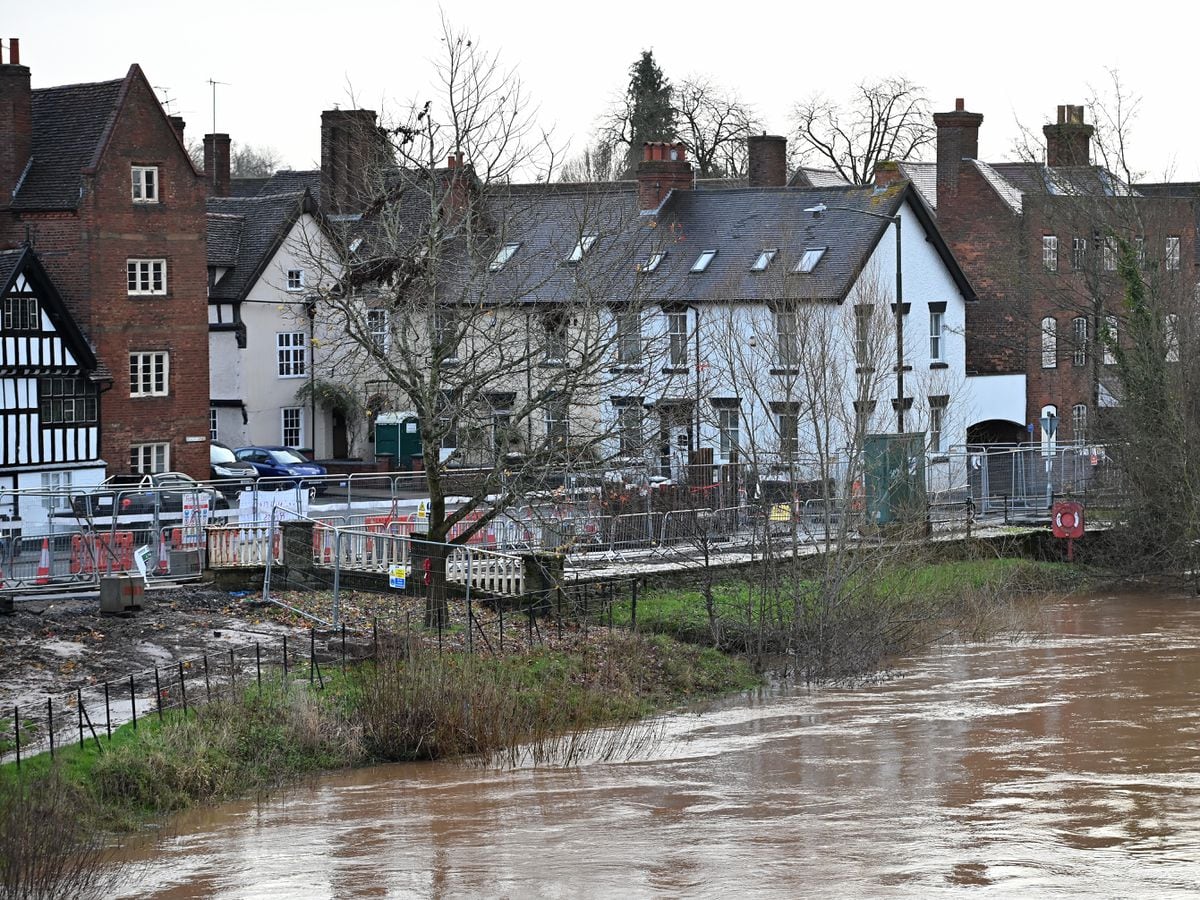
537 705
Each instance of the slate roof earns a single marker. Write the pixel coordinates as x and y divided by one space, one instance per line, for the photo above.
739 224
244 233
923 176
69 125
287 181
247 187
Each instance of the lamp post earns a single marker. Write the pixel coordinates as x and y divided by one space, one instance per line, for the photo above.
899 304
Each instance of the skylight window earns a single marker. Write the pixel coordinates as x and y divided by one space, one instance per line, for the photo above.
809 260
504 254
584 245
764 260
652 263
703 260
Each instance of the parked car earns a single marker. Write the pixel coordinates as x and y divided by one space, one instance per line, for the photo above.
135 494
229 473
281 465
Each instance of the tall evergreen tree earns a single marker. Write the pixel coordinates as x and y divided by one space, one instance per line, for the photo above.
649 110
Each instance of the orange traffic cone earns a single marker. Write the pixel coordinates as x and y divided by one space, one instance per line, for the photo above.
43 569
164 561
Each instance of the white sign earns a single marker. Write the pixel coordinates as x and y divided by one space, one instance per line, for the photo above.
397 577
142 558
195 517
256 506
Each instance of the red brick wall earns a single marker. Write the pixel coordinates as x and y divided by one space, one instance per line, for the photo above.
86 255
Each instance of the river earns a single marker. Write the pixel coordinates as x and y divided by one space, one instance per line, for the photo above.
1064 765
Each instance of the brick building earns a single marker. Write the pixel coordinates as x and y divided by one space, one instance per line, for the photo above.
97 179
1039 241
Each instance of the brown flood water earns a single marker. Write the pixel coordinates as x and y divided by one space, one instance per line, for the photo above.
1065 766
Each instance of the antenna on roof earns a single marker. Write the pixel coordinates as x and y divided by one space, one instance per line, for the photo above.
214 93
166 100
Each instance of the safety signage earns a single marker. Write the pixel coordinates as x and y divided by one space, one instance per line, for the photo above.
423 509
397 577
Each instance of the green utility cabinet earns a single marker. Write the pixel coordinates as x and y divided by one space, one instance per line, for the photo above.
398 435
895 468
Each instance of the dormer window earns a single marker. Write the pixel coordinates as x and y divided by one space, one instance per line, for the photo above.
652 263
585 244
502 257
145 184
703 260
809 260
764 260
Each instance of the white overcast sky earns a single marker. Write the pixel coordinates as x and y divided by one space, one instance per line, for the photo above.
285 62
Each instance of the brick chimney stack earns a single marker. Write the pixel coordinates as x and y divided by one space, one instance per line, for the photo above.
768 160
957 139
216 164
16 120
352 147
664 167
1069 142
887 172
178 124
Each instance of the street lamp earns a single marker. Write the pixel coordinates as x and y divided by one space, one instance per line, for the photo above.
899 305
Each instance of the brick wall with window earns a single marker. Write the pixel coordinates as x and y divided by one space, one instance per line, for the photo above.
143 202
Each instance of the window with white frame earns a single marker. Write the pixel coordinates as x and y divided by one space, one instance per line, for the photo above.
677 332
446 333
377 326
630 420
292 426
1050 252
937 423
149 373
629 336
1172 254
652 264
1079 421
22 314
557 424
1079 337
146 459
702 261
763 260
862 333
1078 253
555 325
787 338
1049 343
728 422
1110 255
936 335
212 423
146 277
291 354
503 255
582 246
57 491
295 279
1171 337
809 259
1110 339
145 183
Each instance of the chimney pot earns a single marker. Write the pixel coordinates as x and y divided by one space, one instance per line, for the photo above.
959 104
957 139
664 167
1069 142
178 124
14 51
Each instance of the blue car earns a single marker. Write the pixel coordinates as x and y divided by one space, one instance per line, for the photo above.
281 465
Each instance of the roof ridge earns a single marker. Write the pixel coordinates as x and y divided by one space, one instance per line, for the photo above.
79 84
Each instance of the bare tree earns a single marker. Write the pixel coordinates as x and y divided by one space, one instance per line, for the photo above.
714 122
882 120
459 304
245 160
